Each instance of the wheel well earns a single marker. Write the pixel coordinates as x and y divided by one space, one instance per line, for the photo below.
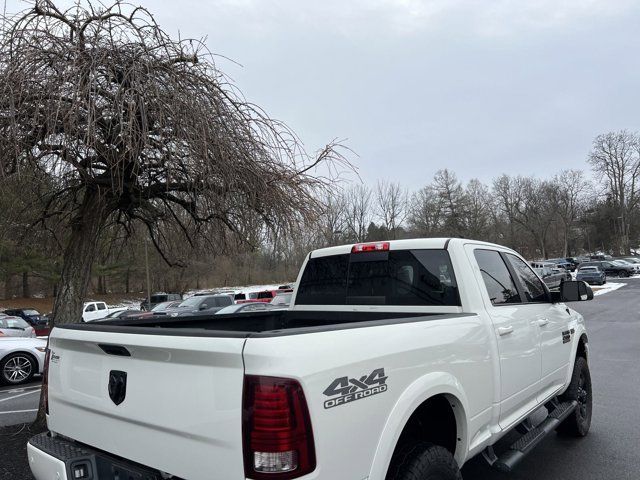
434 421
582 347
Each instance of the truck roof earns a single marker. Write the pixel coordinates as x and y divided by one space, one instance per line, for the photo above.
406 244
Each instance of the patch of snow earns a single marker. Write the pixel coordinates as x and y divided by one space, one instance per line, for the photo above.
607 288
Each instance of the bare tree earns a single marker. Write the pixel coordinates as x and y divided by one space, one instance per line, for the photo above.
426 212
333 222
133 128
507 195
615 158
536 209
392 205
570 190
452 197
479 207
359 211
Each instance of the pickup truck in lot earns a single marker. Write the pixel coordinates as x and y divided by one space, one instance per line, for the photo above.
396 360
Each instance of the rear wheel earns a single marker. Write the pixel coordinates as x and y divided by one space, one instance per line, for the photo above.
623 274
424 461
578 423
17 368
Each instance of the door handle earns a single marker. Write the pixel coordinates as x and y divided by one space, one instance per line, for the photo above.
542 322
505 330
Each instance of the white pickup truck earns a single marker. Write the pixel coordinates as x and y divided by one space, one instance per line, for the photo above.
397 360
94 310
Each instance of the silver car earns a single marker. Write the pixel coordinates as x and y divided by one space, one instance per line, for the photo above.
21 359
15 327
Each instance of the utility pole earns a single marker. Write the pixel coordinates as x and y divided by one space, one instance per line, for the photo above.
146 262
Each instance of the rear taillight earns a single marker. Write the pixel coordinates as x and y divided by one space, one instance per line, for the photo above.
278 439
45 380
370 247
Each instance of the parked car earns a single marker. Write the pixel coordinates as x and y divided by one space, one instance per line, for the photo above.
282 300
33 318
164 306
94 310
15 327
610 268
633 265
265 296
551 276
566 263
432 350
245 308
591 275
21 359
125 313
200 304
159 297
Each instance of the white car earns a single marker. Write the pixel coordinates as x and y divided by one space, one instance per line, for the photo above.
21 359
15 327
396 360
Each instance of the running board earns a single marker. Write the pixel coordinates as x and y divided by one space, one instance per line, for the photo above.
507 461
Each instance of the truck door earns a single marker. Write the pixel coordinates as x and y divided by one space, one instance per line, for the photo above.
516 332
552 321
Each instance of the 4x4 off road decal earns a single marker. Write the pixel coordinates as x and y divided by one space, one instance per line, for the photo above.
345 389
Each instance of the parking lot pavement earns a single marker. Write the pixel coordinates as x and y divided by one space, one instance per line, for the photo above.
19 404
610 451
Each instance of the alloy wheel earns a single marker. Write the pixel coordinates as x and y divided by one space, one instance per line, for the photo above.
17 369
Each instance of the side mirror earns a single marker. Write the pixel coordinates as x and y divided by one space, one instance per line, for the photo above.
575 291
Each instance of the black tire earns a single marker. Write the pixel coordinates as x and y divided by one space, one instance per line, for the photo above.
578 423
17 368
424 461
623 274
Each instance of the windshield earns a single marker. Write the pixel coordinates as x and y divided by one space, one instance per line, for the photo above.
31 313
589 269
191 302
282 299
14 322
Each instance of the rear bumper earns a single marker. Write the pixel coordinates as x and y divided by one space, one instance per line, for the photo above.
60 459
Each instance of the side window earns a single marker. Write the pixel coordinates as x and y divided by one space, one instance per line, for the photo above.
102 306
90 308
500 286
533 288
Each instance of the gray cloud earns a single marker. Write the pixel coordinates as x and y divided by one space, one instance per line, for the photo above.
481 87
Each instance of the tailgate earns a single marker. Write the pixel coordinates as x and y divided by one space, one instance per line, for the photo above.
181 411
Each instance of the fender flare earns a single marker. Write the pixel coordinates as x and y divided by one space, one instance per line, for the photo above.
581 335
422 389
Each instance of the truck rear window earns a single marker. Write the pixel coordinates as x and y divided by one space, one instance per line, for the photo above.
397 277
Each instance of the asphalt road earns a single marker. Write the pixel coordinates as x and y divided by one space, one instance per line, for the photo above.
19 404
611 451
612 448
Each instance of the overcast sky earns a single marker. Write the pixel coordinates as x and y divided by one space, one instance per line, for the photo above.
480 87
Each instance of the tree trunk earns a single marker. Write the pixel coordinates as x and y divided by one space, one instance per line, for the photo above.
25 285
7 286
79 255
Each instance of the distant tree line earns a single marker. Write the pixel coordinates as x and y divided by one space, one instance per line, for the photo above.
561 215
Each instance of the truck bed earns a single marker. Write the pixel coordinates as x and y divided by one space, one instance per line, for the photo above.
258 324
